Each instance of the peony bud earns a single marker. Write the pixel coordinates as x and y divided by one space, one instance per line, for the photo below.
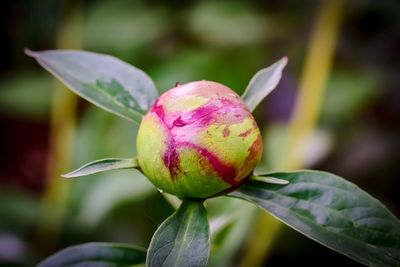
198 140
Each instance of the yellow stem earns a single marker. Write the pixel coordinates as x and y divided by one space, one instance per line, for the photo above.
313 80
62 122
317 66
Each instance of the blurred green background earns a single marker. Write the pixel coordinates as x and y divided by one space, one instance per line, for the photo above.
46 131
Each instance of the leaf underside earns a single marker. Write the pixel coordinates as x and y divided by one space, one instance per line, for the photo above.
183 239
102 165
102 80
263 83
96 254
268 179
331 211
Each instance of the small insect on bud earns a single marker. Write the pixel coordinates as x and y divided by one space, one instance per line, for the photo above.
198 139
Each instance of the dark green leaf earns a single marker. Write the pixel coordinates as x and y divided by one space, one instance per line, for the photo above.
331 211
183 239
96 254
102 165
262 83
101 79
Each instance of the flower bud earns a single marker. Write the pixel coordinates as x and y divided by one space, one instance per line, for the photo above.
198 140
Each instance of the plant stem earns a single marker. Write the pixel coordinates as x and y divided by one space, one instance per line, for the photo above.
316 68
313 81
62 121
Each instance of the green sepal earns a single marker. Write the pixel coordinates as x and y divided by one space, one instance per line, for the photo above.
102 165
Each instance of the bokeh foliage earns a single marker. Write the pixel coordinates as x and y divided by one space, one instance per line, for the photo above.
356 136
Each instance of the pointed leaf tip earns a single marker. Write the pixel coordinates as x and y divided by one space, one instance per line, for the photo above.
29 52
269 180
263 83
103 80
102 165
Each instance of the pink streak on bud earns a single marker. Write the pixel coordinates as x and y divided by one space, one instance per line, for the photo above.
202 116
158 110
171 160
227 173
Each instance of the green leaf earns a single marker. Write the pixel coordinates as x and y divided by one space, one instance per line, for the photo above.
102 165
101 79
182 239
96 254
331 211
268 179
263 83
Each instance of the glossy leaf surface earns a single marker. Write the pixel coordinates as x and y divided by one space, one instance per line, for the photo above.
96 254
331 211
101 79
262 83
182 239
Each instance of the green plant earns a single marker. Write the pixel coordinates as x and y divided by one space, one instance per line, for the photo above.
322 206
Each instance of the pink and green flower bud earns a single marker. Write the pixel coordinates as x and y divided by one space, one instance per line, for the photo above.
198 139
